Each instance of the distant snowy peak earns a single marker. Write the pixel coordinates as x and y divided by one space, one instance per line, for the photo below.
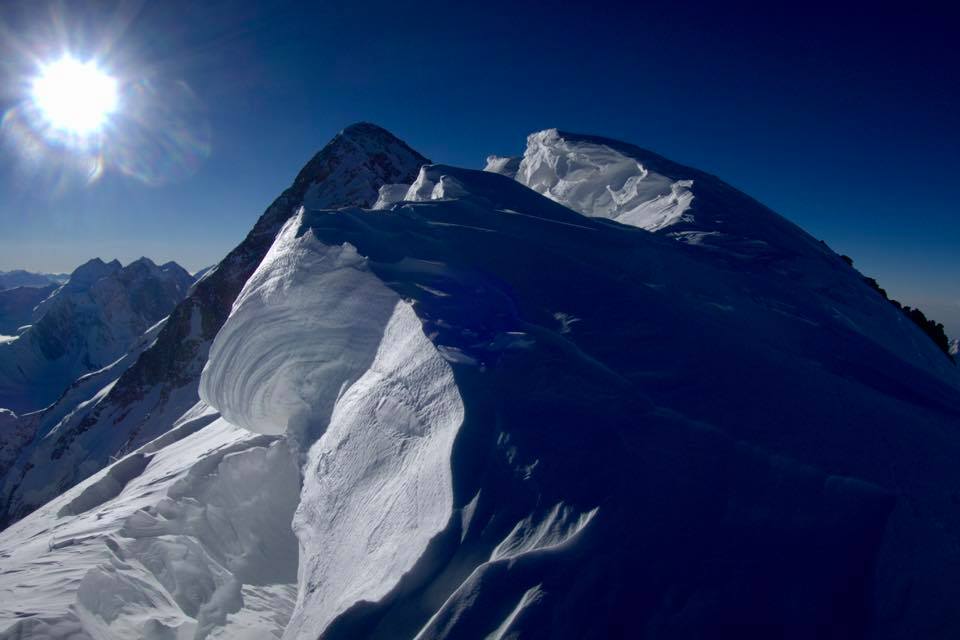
85 325
21 278
955 348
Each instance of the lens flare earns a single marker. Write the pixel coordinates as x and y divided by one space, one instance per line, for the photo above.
74 97
84 105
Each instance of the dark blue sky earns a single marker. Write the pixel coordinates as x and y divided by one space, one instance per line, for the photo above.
844 120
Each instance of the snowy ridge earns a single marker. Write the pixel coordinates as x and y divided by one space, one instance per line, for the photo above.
504 165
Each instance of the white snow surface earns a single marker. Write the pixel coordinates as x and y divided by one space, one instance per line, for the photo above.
286 356
389 195
599 181
504 165
189 538
315 339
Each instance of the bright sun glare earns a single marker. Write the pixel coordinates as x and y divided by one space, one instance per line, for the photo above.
74 97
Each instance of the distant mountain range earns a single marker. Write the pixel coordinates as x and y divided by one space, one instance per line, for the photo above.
20 278
85 324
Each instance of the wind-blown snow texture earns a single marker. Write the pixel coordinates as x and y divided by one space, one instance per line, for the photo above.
483 414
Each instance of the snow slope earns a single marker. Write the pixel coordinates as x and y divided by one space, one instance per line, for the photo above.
189 538
85 325
611 179
477 413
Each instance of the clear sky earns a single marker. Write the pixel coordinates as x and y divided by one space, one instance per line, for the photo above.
844 120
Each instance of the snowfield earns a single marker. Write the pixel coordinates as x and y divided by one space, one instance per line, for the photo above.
586 394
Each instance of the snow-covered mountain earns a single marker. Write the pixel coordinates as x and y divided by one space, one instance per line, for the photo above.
21 278
141 396
482 410
86 324
17 305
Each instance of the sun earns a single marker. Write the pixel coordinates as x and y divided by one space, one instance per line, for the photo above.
74 97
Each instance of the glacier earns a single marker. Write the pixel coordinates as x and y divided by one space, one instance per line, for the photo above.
588 393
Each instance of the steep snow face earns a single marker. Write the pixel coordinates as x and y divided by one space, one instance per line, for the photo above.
578 422
317 344
955 347
85 325
596 180
382 466
305 327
